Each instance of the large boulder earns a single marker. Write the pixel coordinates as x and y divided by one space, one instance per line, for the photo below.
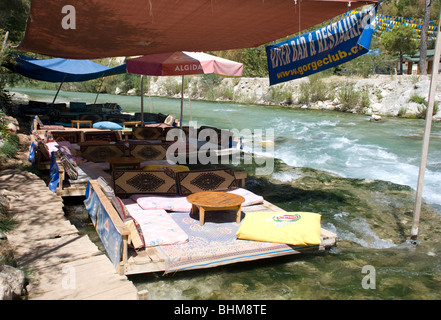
12 283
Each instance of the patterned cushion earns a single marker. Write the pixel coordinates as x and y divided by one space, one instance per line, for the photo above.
250 197
147 133
69 167
149 151
136 237
43 149
71 136
108 190
100 153
157 226
138 181
101 136
169 203
120 208
205 180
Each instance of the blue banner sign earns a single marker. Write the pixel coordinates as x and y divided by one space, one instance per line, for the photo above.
321 49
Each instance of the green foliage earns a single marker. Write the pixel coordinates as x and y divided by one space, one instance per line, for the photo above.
315 90
401 40
402 112
13 15
305 94
7 224
9 148
278 94
365 102
348 96
417 98
423 104
4 133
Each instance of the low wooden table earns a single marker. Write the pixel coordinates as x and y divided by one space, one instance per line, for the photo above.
131 123
215 201
78 122
132 162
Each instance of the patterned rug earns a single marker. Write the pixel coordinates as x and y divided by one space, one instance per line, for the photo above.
215 243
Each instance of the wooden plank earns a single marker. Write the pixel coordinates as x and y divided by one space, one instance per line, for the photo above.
72 280
44 253
50 247
57 228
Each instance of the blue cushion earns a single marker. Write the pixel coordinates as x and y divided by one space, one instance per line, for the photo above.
107 125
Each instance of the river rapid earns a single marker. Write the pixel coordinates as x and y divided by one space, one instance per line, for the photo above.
359 175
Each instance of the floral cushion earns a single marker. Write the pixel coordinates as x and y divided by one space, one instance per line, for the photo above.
250 197
169 203
180 203
157 227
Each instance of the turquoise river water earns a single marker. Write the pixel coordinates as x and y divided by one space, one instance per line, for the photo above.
359 175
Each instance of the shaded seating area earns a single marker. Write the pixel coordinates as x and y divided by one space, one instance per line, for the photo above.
165 235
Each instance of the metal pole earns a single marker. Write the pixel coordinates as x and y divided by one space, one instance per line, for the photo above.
426 138
101 84
182 101
142 100
59 88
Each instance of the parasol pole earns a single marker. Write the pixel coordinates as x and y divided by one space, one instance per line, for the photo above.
142 100
426 138
150 97
102 81
182 101
59 88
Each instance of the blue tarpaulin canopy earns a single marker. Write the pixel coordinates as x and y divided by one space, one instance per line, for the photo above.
63 70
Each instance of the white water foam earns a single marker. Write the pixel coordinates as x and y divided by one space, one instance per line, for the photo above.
358 230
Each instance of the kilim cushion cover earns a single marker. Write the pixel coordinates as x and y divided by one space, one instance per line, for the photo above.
69 167
147 133
149 151
44 151
205 180
71 136
100 153
136 237
101 136
138 181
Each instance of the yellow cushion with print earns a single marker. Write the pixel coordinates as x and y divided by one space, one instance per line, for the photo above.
172 167
294 228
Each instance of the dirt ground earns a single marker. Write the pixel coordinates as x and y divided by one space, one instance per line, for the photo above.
19 161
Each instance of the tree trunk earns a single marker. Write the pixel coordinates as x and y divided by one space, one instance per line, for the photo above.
423 42
401 63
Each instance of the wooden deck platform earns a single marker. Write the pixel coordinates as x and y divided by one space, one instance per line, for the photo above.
152 259
64 265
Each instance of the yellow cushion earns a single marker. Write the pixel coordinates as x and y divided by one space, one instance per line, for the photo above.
173 167
294 228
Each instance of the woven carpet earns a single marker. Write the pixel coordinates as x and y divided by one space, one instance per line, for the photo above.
215 243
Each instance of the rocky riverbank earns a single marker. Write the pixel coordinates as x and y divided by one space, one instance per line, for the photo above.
384 95
380 95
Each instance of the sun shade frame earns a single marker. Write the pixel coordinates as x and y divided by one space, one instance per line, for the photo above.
86 29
